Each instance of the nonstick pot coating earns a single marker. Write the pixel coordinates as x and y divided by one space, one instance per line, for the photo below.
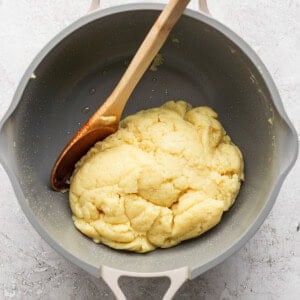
205 64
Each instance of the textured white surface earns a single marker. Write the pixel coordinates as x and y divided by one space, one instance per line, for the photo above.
268 267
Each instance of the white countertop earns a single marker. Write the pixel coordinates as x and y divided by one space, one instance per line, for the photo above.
267 267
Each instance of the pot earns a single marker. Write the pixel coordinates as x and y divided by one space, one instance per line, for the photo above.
204 63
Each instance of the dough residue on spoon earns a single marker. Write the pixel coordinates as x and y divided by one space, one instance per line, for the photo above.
165 176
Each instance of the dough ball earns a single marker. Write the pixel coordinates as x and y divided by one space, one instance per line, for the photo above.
165 176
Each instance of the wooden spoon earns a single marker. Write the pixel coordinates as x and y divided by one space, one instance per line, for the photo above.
105 120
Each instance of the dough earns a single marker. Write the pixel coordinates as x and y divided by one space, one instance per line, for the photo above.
165 176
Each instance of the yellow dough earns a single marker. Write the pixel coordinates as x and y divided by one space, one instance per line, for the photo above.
165 176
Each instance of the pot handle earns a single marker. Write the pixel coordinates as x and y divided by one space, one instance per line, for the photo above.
203 7
111 276
95 4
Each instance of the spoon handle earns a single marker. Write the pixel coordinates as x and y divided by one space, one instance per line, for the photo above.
154 40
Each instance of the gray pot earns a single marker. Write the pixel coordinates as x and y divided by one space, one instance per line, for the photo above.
204 63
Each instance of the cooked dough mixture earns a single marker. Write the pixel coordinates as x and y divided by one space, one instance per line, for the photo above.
165 176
